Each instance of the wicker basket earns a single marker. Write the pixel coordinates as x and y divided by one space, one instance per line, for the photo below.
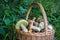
46 35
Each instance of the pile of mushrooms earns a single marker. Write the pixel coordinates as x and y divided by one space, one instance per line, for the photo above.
34 26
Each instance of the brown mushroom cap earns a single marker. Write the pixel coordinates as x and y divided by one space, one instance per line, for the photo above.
29 24
36 24
40 20
29 21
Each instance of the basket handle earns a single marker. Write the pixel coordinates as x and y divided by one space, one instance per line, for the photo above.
43 12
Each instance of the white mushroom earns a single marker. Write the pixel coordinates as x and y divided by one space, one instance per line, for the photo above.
36 28
50 26
41 25
24 29
18 24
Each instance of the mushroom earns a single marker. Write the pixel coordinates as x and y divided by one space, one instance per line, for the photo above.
34 18
22 21
50 27
39 20
35 28
29 21
24 29
35 24
30 27
41 25
31 24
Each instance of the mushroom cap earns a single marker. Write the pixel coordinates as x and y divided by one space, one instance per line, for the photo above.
29 21
40 20
36 24
18 24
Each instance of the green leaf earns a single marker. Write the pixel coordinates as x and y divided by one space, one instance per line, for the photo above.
6 0
7 12
53 10
7 21
15 18
22 10
2 32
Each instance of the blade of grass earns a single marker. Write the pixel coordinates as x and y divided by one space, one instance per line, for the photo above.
6 36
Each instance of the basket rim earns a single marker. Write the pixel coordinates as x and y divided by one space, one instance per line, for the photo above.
36 34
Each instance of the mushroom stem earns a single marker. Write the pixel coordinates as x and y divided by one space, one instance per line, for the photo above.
31 25
24 28
30 28
36 28
33 20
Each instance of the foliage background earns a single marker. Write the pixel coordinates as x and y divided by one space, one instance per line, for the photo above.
13 10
